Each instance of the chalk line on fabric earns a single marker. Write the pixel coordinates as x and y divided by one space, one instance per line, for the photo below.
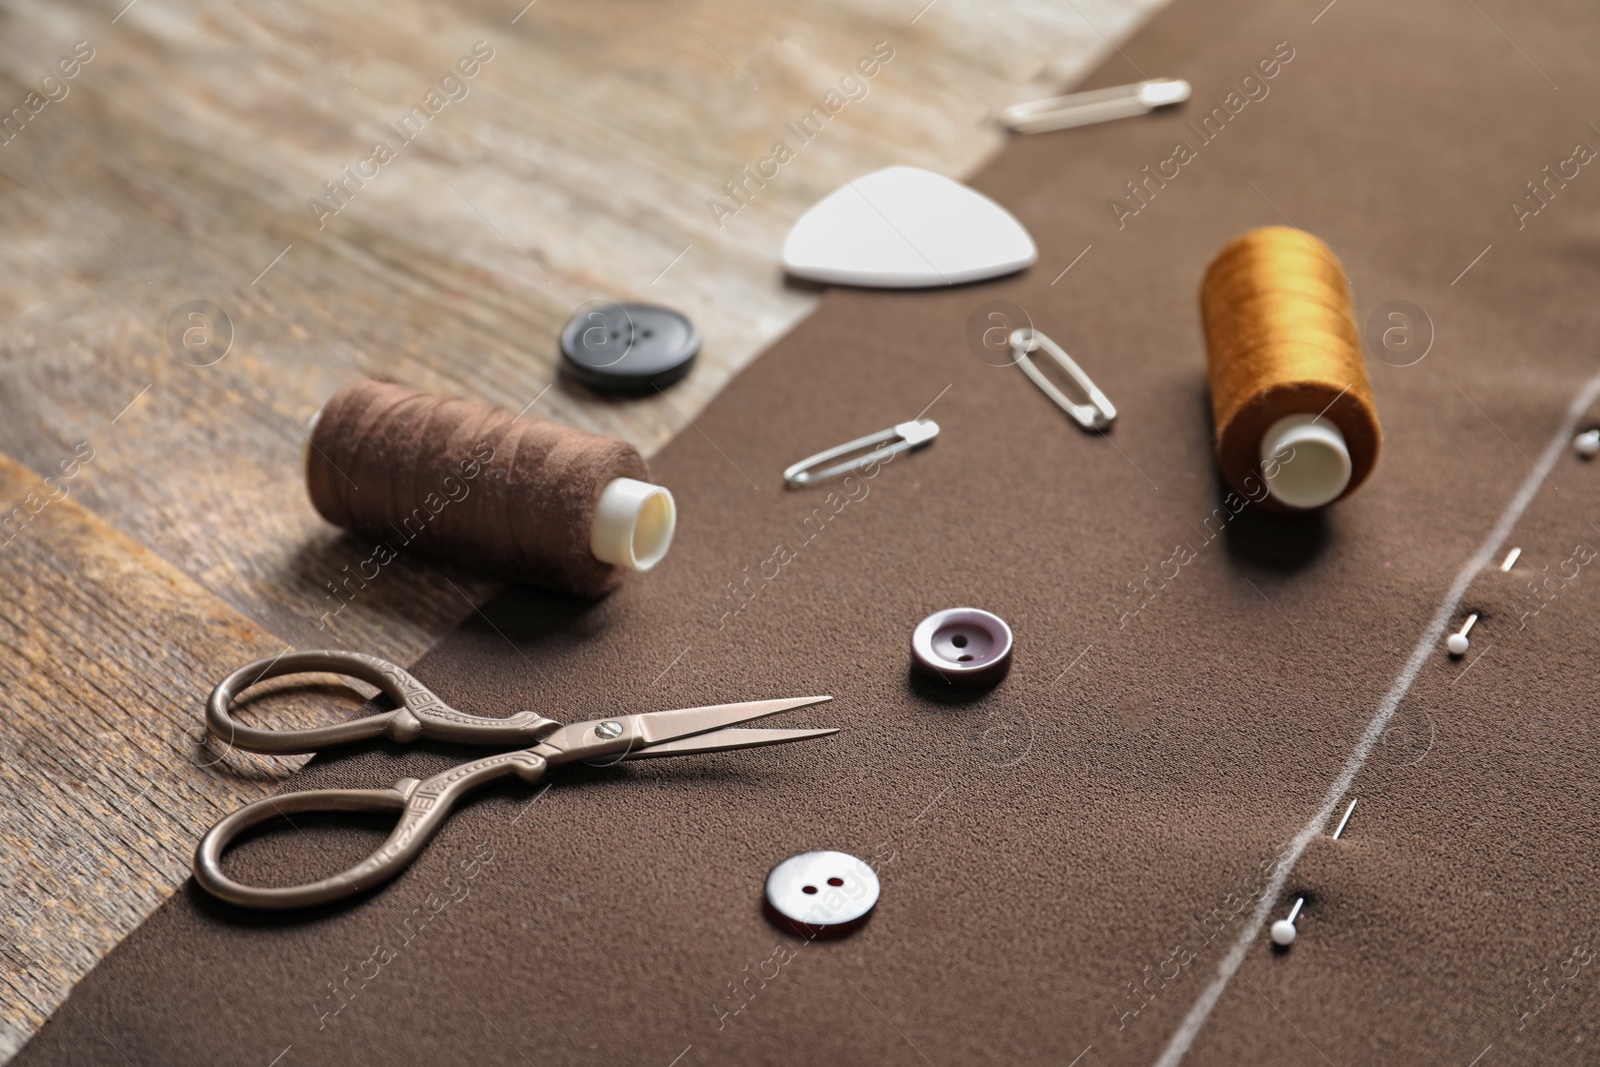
1426 646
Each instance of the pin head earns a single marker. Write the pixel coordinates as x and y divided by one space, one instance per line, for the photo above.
1457 644
1283 933
1587 443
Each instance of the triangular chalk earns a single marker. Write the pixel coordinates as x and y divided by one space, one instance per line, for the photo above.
902 227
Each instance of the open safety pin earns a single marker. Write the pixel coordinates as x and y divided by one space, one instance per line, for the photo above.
906 435
1098 105
1096 414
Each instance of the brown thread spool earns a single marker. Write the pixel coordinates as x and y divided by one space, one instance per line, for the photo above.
1289 389
472 484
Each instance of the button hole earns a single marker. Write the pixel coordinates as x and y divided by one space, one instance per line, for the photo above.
836 881
809 889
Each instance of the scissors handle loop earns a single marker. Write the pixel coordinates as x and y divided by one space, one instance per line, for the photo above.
423 807
419 713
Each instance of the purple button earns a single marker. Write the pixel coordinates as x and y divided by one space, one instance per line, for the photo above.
962 647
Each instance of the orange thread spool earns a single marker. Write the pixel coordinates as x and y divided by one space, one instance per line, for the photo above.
1289 389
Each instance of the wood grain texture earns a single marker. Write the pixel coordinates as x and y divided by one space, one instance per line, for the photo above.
103 786
579 165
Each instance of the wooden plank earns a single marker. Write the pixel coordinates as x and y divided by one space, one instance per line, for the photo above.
104 791
176 165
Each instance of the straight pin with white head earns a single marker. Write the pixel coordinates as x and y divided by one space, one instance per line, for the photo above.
1283 931
1587 443
1457 642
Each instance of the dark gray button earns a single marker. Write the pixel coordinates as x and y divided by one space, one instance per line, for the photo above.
628 348
822 893
962 646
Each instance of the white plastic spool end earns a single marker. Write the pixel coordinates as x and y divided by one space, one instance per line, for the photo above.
1309 460
633 524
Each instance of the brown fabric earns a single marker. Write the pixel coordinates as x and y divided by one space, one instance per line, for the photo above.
1067 859
465 482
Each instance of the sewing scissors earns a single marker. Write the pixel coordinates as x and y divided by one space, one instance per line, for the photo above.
424 804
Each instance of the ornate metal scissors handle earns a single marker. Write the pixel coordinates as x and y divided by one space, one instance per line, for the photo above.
423 806
418 713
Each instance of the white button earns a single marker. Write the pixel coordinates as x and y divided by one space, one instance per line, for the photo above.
822 889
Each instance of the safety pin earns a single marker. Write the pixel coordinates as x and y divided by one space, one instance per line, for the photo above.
1098 105
1096 414
913 434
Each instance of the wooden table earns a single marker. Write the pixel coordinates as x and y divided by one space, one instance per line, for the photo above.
178 163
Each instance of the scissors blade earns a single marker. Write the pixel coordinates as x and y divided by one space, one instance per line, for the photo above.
658 726
727 741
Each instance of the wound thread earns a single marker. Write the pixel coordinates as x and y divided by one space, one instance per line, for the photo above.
466 483
1285 360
